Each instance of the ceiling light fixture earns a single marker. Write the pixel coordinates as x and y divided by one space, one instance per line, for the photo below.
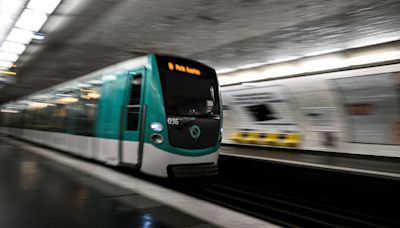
20 36
321 63
38 36
7 72
31 20
12 47
8 111
47 6
6 64
374 56
8 56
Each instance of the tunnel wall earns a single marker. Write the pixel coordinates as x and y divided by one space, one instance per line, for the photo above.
354 111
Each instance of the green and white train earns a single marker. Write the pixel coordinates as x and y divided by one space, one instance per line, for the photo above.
159 114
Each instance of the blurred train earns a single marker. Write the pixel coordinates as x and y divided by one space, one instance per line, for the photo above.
355 111
159 114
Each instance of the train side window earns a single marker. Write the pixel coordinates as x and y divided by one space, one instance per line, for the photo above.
85 110
134 103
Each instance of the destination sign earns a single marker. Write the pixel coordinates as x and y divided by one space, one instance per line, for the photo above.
183 68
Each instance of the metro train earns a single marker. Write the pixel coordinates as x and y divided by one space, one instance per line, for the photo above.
159 114
354 111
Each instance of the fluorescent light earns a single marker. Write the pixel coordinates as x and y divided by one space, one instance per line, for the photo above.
12 47
320 63
94 95
8 56
373 57
67 100
38 36
8 111
225 71
6 64
31 20
37 105
109 77
11 9
95 82
7 72
45 6
63 95
84 85
228 79
282 69
20 36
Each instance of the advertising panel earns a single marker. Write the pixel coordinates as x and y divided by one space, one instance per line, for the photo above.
372 107
265 109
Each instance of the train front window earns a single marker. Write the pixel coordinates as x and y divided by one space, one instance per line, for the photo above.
189 95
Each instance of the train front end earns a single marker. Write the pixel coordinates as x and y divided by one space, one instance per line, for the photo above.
184 119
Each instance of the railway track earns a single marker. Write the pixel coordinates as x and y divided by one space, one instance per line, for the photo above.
285 210
301 197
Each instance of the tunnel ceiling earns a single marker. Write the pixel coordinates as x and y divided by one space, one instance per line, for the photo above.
223 34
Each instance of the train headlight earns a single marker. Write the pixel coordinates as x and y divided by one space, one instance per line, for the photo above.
156 126
156 138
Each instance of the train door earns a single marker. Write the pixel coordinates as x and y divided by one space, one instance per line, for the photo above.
131 142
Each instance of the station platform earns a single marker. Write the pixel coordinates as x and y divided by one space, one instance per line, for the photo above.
43 188
381 167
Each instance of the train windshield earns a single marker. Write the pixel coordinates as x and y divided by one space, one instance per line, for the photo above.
190 95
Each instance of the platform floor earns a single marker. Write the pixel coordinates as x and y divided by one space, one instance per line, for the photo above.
40 188
383 167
